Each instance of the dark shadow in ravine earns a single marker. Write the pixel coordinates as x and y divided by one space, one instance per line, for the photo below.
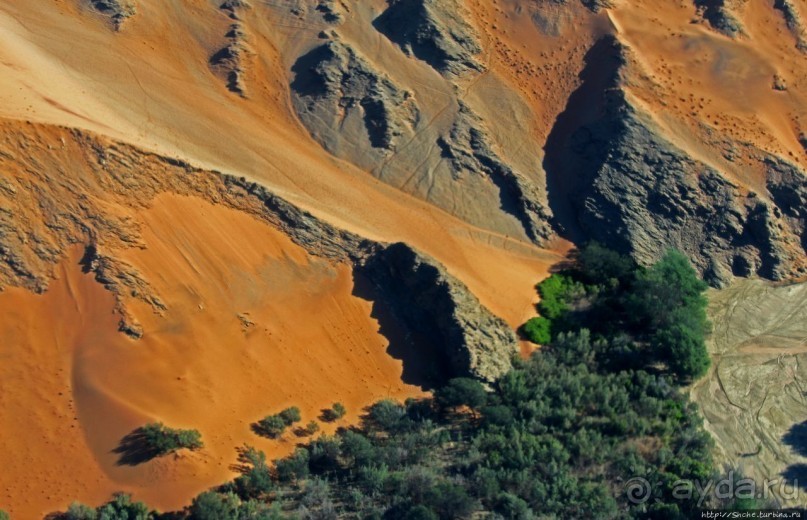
134 449
567 164
423 363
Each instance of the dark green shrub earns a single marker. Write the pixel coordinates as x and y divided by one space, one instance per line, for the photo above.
294 467
272 426
78 511
214 506
462 391
387 414
164 440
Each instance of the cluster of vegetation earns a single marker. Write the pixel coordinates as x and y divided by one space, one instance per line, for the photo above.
273 426
334 413
121 507
655 316
164 440
558 436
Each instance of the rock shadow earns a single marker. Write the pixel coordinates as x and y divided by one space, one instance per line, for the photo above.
423 363
569 154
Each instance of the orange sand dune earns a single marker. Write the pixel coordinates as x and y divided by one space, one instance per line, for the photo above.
73 386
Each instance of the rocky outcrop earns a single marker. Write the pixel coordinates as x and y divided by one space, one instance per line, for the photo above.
230 62
233 8
644 195
431 301
793 20
435 31
118 11
619 181
333 11
344 101
470 150
720 15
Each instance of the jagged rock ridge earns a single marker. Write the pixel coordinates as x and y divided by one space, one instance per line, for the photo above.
230 60
469 149
122 176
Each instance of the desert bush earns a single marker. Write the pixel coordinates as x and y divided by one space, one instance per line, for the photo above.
290 415
164 440
272 426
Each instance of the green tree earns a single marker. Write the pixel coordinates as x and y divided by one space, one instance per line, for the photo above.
290 415
462 391
669 285
599 265
214 506
538 330
79 511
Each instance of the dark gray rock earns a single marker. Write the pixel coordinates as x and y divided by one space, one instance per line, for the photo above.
118 11
430 301
333 11
334 87
434 31
469 149
787 186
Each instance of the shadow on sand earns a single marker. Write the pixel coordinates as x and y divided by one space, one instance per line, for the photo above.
134 449
423 363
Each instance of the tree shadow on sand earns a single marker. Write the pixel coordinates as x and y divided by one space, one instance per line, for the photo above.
134 449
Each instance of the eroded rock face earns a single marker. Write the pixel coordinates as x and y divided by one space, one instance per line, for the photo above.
117 10
344 101
720 15
434 31
469 149
618 180
794 22
645 195
428 299
787 186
